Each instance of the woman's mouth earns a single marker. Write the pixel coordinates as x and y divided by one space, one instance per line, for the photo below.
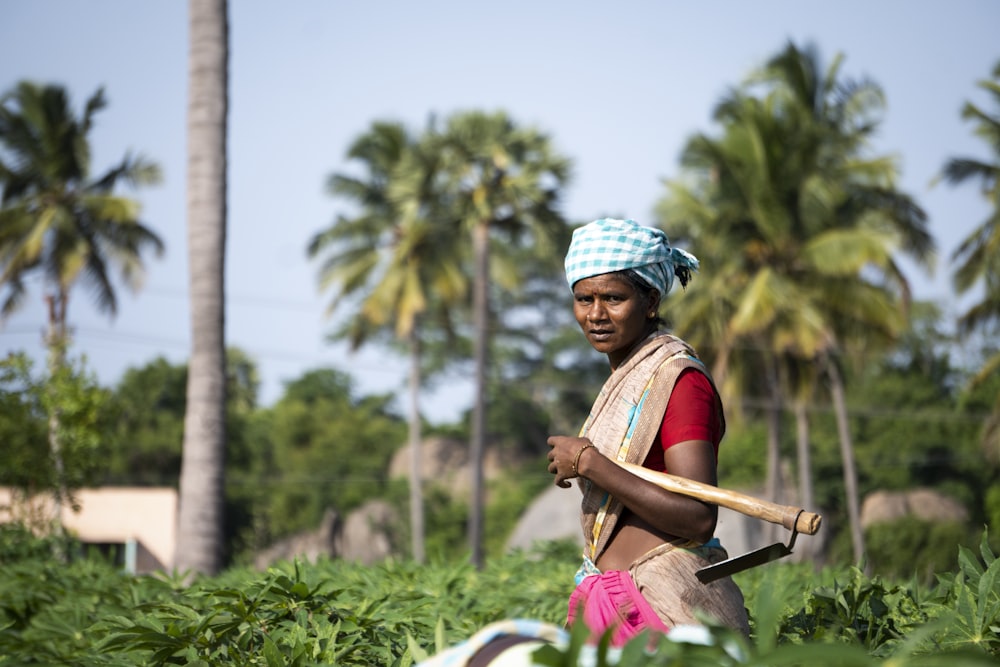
600 334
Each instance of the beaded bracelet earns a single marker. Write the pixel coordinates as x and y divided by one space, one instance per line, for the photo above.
576 461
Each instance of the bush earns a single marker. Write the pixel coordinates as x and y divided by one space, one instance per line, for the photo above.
18 543
911 547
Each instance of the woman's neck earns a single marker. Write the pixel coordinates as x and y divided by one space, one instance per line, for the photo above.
651 331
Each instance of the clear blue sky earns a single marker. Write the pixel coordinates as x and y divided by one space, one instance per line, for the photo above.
619 86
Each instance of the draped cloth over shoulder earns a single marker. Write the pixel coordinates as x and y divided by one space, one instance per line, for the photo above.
620 428
623 425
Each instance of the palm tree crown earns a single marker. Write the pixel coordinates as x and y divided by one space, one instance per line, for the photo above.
800 228
978 255
393 252
56 219
503 183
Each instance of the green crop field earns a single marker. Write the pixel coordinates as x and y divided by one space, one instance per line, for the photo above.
86 612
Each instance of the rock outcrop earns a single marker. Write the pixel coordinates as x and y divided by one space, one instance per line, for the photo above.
362 536
924 504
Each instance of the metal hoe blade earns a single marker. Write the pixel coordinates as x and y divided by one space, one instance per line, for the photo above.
746 561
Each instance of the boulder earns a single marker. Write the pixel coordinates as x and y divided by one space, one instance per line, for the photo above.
921 503
362 536
553 515
439 457
366 532
308 545
445 461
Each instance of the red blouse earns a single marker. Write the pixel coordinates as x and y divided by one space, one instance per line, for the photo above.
691 414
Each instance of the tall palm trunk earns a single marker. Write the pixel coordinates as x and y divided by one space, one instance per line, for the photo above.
803 453
773 481
772 484
806 551
720 367
847 457
480 305
416 467
56 340
200 524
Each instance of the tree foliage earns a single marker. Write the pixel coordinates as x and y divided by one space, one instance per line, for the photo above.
27 402
319 446
801 227
977 257
149 428
148 402
56 219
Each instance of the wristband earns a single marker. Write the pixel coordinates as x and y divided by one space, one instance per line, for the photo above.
576 461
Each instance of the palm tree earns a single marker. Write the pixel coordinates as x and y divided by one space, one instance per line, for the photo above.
869 217
804 227
767 313
503 182
200 522
56 220
399 258
978 255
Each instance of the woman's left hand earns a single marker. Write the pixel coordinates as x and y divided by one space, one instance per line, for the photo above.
564 457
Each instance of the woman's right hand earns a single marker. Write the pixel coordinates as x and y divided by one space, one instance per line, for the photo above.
565 453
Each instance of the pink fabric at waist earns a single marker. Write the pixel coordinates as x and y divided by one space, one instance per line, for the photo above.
611 601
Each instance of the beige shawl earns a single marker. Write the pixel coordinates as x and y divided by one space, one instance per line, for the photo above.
624 420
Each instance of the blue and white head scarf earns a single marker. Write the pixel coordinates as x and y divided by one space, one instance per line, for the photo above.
609 245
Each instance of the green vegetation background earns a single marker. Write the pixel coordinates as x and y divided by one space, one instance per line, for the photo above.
335 612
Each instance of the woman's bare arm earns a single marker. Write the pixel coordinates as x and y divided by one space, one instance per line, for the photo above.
668 512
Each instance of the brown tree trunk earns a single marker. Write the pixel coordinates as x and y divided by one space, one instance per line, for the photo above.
480 245
416 468
804 454
847 457
806 550
772 482
56 340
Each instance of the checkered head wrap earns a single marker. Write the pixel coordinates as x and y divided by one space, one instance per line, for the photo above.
609 245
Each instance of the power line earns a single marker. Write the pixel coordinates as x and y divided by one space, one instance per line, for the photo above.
268 302
97 336
854 411
175 292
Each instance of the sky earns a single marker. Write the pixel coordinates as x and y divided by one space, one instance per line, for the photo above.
619 87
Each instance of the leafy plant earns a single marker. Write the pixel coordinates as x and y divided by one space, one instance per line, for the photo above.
929 546
973 602
397 613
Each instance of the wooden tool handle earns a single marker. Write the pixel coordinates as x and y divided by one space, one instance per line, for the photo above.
786 515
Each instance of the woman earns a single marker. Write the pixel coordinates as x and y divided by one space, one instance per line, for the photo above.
658 408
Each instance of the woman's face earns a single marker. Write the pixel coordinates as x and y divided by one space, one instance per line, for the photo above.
613 314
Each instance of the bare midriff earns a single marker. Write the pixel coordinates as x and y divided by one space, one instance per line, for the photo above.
632 538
